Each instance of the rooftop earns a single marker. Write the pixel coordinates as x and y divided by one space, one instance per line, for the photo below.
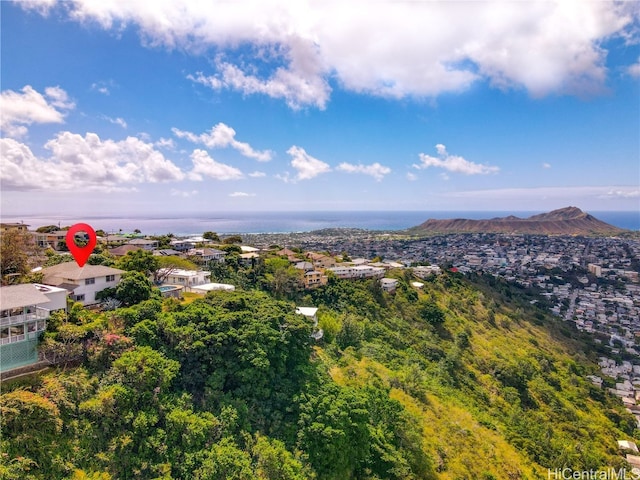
16 296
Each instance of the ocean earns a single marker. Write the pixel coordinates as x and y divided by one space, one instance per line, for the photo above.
286 222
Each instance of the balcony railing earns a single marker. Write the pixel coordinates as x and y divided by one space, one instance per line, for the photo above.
39 314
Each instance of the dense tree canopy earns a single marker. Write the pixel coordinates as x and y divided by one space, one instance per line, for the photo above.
445 382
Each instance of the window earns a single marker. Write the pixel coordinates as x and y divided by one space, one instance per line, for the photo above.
89 281
80 298
111 278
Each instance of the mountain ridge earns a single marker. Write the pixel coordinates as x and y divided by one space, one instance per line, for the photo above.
563 221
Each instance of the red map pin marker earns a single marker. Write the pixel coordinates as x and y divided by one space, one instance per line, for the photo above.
81 254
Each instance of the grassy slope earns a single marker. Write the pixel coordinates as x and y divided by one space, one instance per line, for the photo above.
475 426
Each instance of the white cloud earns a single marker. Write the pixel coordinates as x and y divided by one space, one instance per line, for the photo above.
84 163
30 106
453 163
242 194
205 166
257 174
375 170
291 50
307 166
546 165
100 88
621 193
634 70
569 194
297 88
116 121
167 143
412 177
183 193
223 136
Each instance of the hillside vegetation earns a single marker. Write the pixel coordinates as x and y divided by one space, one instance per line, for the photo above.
454 381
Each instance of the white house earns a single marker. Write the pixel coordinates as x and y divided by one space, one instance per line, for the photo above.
83 283
312 314
213 287
186 278
358 271
182 245
389 284
206 256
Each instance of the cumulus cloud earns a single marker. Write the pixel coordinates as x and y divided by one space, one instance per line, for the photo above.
412 177
242 194
223 136
453 163
375 170
84 163
20 109
205 166
307 166
257 174
546 165
292 50
634 70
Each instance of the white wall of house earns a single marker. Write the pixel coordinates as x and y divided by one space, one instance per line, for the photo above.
57 297
188 277
85 292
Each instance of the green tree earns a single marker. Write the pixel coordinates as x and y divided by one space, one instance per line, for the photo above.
431 313
232 239
139 261
351 333
17 250
274 462
225 460
211 236
134 287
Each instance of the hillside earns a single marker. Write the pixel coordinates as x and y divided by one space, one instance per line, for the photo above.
564 221
457 380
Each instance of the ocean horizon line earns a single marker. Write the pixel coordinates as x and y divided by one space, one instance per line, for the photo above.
255 222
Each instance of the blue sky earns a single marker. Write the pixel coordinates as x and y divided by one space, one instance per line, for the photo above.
168 106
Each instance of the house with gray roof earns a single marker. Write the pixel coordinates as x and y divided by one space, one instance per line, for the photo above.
82 282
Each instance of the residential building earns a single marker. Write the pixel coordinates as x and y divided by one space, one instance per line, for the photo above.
51 239
122 250
83 283
389 284
144 243
314 278
186 278
292 256
182 245
249 258
23 318
357 271
213 287
167 252
312 314
320 260
5 227
206 256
